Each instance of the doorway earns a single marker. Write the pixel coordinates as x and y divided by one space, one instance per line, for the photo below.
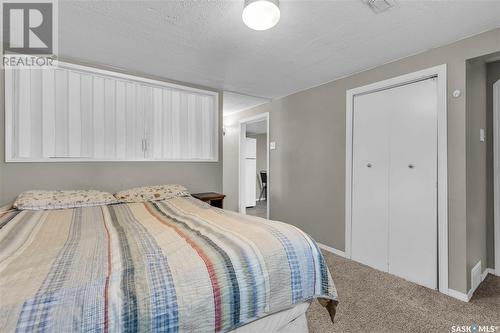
396 184
254 172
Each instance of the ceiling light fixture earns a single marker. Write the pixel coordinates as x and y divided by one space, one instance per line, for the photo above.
261 14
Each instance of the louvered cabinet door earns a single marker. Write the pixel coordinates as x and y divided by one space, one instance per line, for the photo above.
178 126
76 113
48 114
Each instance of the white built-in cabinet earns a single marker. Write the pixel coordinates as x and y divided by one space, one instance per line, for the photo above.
394 181
79 113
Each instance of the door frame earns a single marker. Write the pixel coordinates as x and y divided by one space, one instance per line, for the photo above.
496 174
242 130
439 72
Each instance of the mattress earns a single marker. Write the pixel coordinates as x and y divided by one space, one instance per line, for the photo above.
177 265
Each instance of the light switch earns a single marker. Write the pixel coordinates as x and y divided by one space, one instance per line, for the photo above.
272 145
482 135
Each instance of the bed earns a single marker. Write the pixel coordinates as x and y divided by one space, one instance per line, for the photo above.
176 265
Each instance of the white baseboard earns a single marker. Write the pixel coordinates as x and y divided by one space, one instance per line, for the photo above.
492 272
466 297
488 271
451 292
458 295
332 250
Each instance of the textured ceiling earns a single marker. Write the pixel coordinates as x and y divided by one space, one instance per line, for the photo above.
205 42
234 102
259 127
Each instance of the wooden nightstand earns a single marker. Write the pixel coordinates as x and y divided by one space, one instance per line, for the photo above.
212 198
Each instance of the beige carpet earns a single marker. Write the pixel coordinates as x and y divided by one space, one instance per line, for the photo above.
373 301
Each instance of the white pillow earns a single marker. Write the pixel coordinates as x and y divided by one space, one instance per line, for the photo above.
38 200
152 193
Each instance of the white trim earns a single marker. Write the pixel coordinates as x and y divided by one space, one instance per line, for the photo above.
490 271
496 166
458 295
63 159
467 297
242 123
8 113
332 250
440 73
484 274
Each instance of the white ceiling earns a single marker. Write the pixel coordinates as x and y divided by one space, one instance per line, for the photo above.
234 102
205 42
259 127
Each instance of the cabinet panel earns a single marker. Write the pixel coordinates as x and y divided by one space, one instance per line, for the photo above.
98 118
78 113
157 128
110 125
74 115
36 99
121 120
48 113
23 127
61 116
87 143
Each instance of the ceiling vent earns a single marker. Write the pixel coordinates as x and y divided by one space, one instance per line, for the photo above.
379 6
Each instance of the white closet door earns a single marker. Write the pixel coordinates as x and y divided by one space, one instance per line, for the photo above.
370 188
394 197
413 182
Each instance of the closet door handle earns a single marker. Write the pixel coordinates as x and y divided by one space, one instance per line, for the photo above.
369 165
411 166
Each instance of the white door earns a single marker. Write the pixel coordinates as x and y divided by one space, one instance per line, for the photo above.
394 220
250 179
370 182
250 148
413 182
250 172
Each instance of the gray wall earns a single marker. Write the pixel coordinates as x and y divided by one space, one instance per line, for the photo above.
492 76
476 164
108 176
479 101
307 175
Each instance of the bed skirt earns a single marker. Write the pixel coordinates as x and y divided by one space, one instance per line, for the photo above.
289 321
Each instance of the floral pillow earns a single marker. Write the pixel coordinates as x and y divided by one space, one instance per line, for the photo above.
38 200
152 193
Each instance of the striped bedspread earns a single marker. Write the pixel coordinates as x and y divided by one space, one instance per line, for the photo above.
171 266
